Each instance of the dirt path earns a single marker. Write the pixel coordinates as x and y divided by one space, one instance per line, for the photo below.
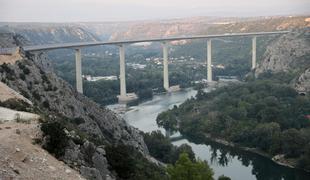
21 159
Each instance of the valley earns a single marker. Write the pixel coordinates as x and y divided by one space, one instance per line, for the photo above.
248 123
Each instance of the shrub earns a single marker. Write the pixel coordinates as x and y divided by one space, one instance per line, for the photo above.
78 120
26 70
130 164
222 177
56 140
16 104
22 77
46 104
36 95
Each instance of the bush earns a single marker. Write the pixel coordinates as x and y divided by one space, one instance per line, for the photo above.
162 149
56 138
222 177
22 77
46 104
36 95
26 70
78 121
130 164
16 104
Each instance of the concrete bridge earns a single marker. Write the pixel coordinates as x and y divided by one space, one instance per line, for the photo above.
123 93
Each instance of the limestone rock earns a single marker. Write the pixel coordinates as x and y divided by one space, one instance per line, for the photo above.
289 53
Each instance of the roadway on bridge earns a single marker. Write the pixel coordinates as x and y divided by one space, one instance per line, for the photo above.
97 43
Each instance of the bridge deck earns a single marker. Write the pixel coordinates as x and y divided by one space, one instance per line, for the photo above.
96 43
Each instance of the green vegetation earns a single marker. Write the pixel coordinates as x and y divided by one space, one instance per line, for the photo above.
161 148
130 164
56 140
264 114
125 160
16 104
186 169
222 177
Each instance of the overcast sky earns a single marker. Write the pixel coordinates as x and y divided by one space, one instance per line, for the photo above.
123 10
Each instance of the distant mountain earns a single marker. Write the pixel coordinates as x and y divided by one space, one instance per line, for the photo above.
92 31
44 33
204 25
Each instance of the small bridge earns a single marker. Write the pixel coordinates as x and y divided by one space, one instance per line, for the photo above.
123 94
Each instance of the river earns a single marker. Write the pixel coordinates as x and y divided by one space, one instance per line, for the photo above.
232 162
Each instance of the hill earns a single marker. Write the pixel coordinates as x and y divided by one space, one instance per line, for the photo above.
76 129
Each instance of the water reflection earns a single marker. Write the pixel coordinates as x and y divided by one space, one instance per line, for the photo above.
261 168
237 164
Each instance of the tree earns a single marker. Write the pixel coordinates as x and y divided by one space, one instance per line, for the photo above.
266 134
222 177
185 169
293 142
159 146
167 120
162 149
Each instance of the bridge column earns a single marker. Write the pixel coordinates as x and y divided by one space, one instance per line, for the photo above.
254 52
123 93
165 63
209 61
78 71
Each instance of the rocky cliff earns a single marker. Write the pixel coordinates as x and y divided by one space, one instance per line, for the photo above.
43 33
34 79
290 53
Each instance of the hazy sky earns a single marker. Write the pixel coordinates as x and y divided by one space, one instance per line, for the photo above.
111 10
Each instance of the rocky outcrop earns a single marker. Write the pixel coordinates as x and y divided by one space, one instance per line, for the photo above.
34 79
43 33
289 53
302 83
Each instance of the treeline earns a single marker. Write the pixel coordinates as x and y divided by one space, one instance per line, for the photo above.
264 114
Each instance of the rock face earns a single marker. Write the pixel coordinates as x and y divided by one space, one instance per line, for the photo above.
34 79
289 53
303 82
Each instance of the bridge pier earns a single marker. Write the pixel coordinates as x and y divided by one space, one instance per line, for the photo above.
78 70
209 61
165 64
124 96
122 75
254 52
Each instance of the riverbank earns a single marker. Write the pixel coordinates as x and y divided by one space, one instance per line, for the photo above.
278 159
